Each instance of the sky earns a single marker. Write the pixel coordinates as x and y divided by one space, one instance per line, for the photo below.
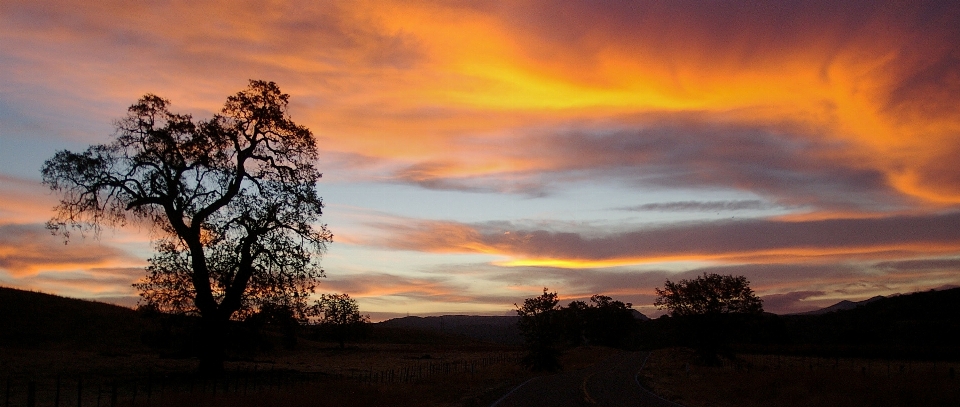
475 152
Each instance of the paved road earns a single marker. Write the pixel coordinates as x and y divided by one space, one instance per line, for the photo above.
611 383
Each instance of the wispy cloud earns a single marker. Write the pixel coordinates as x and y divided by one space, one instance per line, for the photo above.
729 241
857 97
28 249
792 302
699 206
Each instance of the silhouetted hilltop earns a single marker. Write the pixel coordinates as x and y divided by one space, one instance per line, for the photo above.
33 319
639 315
930 318
923 325
919 325
495 329
841 306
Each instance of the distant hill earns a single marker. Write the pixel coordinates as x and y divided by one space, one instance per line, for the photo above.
31 320
639 315
923 324
494 329
841 306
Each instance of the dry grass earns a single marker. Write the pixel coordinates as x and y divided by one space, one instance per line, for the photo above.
462 389
317 374
799 381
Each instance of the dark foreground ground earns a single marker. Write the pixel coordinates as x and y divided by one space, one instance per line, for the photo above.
755 380
902 351
609 383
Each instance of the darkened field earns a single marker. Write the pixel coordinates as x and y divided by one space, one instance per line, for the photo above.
66 352
315 375
772 380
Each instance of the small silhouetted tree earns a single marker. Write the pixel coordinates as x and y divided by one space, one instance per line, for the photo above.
709 307
573 319
540 327
608 322
231 201
340 316
604 321
278 317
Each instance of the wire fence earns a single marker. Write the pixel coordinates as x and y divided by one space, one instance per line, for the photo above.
863 366
149 388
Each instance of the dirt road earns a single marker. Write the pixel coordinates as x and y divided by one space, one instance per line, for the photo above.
611 383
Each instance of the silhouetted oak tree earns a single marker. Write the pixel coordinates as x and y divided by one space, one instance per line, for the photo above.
604 321
711 308
232 203
608 322
540 327
340 316
709 294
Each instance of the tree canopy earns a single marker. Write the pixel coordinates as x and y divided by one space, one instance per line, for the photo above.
545 326
231 202
540 327
709 294
339 315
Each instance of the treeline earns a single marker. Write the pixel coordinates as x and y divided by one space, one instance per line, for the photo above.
922 326
333 318
547 327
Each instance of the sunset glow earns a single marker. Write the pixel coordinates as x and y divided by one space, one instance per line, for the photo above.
469 150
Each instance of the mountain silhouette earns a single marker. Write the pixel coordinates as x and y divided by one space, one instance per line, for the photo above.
841 306
495 329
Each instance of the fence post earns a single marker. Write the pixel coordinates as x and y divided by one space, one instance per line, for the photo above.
56 397
134 392
31 394
6 398
246 380
79 392
113 394
236 385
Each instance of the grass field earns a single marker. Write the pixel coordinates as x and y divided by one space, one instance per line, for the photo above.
770 380
69 350
316 374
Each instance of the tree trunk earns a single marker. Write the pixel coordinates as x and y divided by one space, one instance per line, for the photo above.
212 345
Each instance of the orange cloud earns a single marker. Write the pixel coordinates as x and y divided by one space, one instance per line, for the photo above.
756 241
407 81
854 82
26 250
